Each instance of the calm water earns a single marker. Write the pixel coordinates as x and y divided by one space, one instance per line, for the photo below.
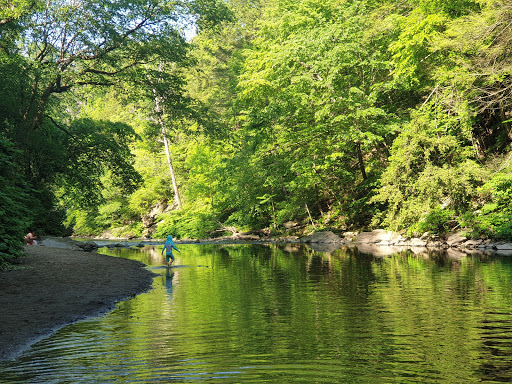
281 314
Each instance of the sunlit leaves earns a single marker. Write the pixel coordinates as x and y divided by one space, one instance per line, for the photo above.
431 164
411 52
312 84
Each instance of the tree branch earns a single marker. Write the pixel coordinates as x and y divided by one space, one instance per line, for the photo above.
60 127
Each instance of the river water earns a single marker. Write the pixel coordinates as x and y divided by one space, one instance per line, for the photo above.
288 313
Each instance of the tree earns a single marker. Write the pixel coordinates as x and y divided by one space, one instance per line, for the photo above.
14 202
432 165
312 90
445 153
50 49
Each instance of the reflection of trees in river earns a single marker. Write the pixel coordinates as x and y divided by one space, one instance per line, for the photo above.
426 317
156 255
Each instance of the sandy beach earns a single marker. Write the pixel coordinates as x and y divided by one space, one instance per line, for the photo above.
52 287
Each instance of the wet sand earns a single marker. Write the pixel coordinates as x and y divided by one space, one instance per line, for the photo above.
52 287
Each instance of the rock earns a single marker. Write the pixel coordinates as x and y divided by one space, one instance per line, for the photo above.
377 250
322 237
417 243
291 248
484 244
425 236
61 242
379 236
472 243
149 219
241 236
455 254
504 246
455 239
435 244
288 239
349 236
420 251
88 246
325 247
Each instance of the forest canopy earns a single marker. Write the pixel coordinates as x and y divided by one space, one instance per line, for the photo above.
275 118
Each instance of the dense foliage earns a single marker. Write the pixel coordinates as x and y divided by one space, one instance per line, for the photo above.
15 213
280 116
55 58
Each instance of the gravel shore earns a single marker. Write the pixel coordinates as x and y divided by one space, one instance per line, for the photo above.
53 287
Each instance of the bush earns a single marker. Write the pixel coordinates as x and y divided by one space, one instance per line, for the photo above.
437 222
186 223
494 218
431 165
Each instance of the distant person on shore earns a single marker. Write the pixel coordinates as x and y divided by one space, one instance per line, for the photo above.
30 238
168 246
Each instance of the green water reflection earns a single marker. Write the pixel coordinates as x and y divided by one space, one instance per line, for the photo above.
269 313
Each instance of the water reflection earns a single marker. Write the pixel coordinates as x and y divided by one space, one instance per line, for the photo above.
290 313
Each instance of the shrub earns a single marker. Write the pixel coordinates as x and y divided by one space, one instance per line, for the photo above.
431 165
438 221
494 218
186 223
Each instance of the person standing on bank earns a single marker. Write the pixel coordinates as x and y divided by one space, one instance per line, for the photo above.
168 246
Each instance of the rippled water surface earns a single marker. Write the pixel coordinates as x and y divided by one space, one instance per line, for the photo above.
271 313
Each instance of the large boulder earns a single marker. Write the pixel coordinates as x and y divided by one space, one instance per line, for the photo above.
504 246
379 236
322 237
377 250
455 239
149 219
415 242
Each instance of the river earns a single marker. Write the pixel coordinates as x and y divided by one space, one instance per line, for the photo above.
288 313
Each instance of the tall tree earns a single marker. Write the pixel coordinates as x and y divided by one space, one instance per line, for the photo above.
50 50
313 88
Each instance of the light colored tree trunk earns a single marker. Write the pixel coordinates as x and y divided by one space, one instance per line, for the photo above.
171 169
160 111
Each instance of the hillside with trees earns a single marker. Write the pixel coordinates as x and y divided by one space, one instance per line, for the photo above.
276 117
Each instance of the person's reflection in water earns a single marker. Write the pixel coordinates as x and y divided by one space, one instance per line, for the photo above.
169 276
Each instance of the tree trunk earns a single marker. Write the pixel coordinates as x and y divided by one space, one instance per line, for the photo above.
169 162
160 110
360 160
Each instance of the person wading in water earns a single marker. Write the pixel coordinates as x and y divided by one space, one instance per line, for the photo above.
168 246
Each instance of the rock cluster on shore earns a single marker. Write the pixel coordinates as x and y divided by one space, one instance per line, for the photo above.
389 238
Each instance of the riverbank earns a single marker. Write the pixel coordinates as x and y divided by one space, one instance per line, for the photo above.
53 287
377 237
